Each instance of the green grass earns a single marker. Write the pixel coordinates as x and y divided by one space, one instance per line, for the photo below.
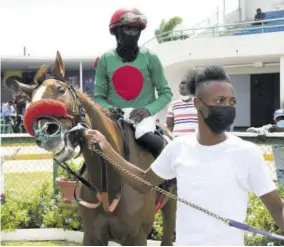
26 182
41 243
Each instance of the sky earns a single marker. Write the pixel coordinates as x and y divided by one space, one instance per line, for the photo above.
80 27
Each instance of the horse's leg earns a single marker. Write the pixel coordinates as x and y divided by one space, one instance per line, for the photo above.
95 227
139 240
91 240
169 220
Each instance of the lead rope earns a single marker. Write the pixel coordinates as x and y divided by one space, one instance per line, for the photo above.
228 222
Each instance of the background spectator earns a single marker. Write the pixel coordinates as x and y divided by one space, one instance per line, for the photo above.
182 115
277 149
259 16
8 110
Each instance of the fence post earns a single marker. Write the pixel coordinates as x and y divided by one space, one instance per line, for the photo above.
55 175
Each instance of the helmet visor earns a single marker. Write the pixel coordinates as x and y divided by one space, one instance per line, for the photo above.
132 18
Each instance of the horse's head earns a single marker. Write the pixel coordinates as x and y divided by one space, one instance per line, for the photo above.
54 112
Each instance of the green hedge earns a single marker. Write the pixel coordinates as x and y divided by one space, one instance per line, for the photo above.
43 210
39 210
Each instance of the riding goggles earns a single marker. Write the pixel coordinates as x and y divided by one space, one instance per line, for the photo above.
132 17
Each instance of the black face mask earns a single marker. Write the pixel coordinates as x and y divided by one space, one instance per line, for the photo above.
220 118
127 45
130 41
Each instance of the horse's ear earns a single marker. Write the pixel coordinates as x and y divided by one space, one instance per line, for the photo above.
26 89
40 75
58 67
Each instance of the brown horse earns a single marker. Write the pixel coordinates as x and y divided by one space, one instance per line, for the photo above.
133 218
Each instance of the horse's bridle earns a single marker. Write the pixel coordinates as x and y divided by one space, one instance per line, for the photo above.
78 104
77 130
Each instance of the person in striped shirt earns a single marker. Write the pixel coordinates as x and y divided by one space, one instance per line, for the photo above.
182 115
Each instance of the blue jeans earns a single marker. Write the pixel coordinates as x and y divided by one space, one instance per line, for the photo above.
280 177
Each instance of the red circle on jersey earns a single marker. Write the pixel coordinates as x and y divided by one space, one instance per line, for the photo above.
128 82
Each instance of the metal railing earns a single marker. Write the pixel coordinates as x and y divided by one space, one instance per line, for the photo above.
215 31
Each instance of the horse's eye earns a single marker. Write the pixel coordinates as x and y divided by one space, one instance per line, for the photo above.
61 90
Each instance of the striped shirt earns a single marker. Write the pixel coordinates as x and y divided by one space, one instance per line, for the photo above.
185 117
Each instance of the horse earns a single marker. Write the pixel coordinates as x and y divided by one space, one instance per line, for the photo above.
130 218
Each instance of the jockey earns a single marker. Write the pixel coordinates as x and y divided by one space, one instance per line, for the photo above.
127 76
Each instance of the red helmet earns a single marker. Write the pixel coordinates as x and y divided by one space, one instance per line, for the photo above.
126 17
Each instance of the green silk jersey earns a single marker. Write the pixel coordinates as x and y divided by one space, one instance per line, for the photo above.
131 84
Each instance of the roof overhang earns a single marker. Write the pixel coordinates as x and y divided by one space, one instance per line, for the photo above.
33 63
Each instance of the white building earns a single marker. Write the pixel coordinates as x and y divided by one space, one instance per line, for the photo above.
254 61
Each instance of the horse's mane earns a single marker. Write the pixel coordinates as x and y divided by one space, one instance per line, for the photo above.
87 100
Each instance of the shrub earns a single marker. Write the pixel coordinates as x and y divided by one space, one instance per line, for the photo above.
42 210
259 217
75 167
14 214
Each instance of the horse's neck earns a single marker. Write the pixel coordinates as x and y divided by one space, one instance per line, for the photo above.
111 131
103 124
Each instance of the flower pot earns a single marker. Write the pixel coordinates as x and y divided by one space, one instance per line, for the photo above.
66 188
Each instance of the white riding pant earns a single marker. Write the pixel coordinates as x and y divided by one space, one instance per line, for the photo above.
146 125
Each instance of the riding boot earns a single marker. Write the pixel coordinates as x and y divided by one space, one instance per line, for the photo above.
154 143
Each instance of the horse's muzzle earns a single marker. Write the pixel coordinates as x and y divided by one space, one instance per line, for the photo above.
49 134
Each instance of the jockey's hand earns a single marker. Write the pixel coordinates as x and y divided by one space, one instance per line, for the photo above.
137 115
93 136
116 113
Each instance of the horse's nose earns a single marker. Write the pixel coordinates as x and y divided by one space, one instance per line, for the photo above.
48 133
49 128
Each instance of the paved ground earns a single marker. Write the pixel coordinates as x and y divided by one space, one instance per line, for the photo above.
52 234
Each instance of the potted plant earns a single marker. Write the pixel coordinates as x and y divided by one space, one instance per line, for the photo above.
67 181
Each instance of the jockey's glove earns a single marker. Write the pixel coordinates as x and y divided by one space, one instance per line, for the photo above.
137 115
116 113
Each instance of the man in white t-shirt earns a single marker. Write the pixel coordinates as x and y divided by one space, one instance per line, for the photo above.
214 169
182 114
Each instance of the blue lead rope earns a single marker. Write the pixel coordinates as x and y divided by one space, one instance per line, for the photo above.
245 227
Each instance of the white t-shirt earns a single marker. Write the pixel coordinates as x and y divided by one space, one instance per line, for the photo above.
217 178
